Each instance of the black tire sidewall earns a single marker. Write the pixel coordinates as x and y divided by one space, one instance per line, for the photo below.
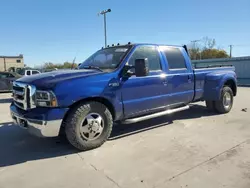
219 105
74 123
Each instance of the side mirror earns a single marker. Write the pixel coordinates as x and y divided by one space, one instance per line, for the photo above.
126 72
141 67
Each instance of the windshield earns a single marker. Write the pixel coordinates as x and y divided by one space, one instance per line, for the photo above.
20 71
108 58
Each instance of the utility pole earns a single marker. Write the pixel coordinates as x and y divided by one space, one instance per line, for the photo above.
231 49
4 63
195 41
104 12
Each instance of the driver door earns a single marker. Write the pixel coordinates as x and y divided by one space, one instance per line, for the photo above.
143 95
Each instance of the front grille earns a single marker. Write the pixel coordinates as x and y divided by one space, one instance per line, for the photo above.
28 97
19 104
23 95
18 88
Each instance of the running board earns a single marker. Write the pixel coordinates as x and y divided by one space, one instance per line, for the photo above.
170 111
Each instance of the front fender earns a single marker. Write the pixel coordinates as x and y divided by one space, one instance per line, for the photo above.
214 82
70 93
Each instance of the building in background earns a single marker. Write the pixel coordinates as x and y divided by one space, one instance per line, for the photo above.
241 64
6 62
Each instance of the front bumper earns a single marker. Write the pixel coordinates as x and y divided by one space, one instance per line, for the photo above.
41 124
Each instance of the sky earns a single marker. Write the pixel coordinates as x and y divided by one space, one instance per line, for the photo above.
59 30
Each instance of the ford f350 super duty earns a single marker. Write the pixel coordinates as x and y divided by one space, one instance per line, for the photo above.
123 83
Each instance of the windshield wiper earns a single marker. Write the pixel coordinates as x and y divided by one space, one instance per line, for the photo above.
92 67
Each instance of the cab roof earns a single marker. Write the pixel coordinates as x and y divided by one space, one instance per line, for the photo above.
138 44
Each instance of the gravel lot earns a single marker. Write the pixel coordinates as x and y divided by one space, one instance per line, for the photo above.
193 148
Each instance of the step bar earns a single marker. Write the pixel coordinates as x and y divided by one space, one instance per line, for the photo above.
158 114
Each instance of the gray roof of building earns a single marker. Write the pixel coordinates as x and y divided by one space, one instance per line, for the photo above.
5 56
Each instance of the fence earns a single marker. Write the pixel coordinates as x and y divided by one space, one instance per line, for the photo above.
241 64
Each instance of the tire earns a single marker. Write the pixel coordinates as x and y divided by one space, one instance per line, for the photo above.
221 105
210 105
78 120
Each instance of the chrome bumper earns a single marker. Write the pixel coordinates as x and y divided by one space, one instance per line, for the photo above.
38 128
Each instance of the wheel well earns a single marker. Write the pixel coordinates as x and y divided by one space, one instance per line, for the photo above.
232 85
97 99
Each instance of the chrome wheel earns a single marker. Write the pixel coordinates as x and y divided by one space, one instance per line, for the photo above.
227 100
92 126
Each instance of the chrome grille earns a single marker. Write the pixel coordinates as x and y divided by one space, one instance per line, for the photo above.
23 95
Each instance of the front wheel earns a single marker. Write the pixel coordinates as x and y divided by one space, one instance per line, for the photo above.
88 125
225 103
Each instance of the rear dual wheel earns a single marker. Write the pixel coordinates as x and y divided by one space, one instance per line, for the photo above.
224 104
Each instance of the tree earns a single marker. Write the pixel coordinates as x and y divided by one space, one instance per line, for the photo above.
213 53
65 65
208 43
206 49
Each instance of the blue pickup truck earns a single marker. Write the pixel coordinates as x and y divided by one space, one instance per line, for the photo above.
123 83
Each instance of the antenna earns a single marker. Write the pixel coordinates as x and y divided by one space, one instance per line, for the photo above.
73 62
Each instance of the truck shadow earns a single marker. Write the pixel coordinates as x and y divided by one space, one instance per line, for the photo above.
123 130
17 146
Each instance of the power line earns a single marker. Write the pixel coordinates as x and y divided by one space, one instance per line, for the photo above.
236 45
242 45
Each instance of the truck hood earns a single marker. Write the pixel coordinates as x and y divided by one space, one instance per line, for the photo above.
50 79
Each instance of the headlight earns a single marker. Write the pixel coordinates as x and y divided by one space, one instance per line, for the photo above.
45 99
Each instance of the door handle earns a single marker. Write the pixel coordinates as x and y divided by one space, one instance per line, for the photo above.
189 78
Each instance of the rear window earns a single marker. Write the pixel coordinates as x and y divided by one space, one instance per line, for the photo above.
175 58
35 72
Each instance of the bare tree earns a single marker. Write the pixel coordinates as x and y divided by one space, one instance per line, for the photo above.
205 49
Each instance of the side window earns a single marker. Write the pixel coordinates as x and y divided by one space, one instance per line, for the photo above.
28 72
35 72
175 58
149 52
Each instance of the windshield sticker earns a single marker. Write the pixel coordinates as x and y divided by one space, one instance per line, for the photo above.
121 50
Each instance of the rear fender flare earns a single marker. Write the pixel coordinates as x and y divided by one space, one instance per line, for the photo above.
214 84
